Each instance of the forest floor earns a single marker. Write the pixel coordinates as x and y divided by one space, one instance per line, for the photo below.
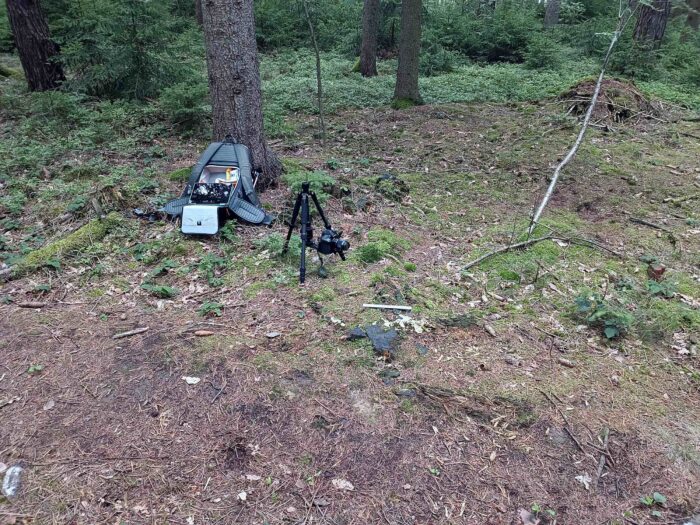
497 403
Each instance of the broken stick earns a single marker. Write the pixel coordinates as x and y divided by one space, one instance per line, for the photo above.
135 331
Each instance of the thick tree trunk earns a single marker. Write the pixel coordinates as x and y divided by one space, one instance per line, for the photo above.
37 52
370 35
234 80
198 12
551 14
651 22
409 53
694 13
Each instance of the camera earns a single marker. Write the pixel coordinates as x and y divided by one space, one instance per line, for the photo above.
331 242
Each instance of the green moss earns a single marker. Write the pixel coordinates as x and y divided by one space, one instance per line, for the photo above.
8 72
181 175
76 242
404 103
323 295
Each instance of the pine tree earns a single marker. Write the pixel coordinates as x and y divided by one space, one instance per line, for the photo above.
234 80
409 54
370 35
651 22
37 52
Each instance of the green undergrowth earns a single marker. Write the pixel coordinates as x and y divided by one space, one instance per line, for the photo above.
380 243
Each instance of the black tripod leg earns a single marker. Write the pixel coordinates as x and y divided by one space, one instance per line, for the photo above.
304 237
295 214
320 211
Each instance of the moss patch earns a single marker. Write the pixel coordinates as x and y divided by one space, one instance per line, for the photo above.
76 242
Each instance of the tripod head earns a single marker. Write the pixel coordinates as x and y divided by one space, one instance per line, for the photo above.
329 242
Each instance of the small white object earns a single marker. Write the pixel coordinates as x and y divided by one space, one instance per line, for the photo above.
242 496
200 219
12 481
253 477
49 405
342 484
585 480
388 307
3 468
272 335
190 520
191 380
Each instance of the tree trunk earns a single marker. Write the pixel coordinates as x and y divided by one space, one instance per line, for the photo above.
198 12
551 14
234 81
694 13
370 35
37 52
651 22
409 53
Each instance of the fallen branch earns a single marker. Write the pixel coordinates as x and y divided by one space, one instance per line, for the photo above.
31 304
551 237
507 249
623 18
678 200
135 331
671 235
603 456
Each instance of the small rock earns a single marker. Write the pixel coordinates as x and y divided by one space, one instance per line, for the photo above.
489 329
12 481
384 341
389 373
406 393
566 363
191 380
321 502
123 317
342 484
3 468
253 477
49 405
272 335
512 360
242 496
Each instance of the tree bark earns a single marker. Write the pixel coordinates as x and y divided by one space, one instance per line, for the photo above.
694 13
551 14
198 12
234 81
37 52
409 53
651 22
370 35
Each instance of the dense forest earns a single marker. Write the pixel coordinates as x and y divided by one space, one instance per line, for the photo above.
488 312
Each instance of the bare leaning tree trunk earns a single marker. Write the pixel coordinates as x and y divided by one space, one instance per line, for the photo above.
651 22
409 53
234 81
623 18
37 52
370 35
319 83
551 14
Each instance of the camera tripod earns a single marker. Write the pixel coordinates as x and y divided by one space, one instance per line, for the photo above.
329 242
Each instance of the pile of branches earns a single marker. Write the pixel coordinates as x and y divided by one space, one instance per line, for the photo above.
618 101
